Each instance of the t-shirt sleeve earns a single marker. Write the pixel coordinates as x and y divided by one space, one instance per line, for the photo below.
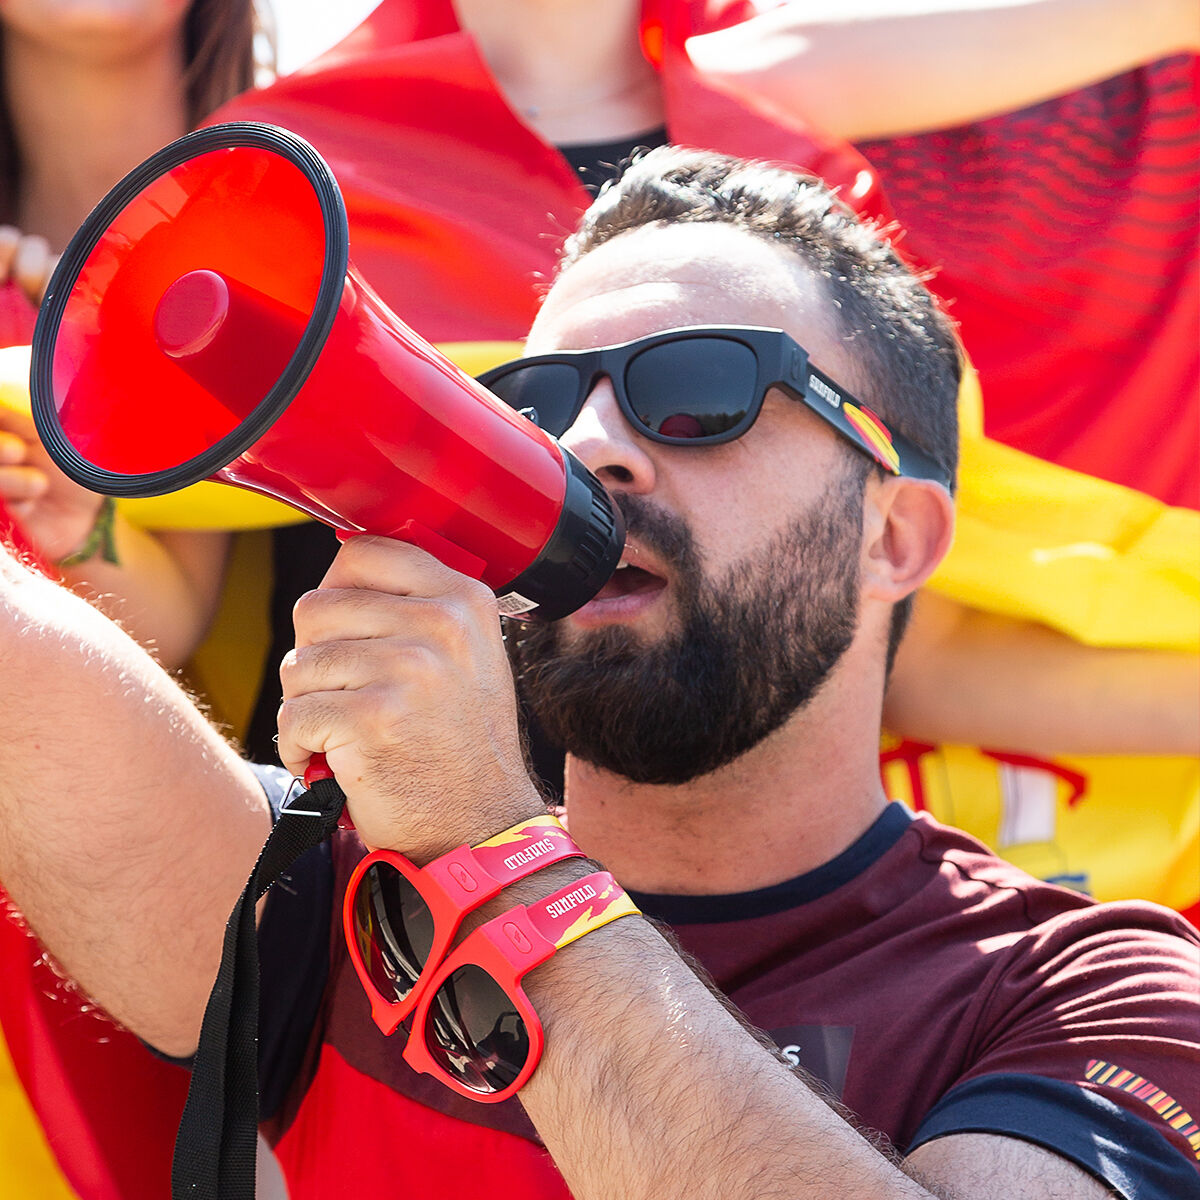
1089 1046
293 957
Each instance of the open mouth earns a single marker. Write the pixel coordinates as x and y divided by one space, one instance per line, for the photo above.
629 580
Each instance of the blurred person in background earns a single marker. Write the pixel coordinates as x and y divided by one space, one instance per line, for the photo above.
88 89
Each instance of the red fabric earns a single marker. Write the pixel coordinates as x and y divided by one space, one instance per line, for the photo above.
90 1083
420 1152
459 241
1065 237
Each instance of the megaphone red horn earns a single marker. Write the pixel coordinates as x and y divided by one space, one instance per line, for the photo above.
205 323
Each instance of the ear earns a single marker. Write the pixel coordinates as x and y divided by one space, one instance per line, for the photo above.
908 525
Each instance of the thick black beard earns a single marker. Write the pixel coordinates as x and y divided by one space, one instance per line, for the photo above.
755 646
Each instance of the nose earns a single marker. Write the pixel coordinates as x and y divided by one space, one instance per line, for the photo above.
607 445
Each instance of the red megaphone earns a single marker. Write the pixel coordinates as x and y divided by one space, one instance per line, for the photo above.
205 323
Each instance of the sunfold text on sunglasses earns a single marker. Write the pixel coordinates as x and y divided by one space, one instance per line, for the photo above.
400 920
474 1028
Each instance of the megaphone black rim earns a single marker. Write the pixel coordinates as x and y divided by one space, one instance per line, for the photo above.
333 273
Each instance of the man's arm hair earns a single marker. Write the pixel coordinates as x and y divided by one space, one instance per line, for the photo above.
653 1085
127 824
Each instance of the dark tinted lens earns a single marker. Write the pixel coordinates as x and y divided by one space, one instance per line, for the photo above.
475 1032
693 388
550 389
394 928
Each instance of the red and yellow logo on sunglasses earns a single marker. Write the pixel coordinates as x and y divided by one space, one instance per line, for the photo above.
875 435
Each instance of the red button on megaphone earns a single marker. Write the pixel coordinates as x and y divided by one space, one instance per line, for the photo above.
205 323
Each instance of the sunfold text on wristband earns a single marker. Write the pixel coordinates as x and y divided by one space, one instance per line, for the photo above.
400 920
474 1027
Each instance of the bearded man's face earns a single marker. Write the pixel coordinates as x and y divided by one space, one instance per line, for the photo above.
751 647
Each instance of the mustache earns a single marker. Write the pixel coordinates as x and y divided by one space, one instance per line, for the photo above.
663 533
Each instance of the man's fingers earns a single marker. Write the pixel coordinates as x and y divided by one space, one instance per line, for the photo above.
336 723
387 565
346 614
352 613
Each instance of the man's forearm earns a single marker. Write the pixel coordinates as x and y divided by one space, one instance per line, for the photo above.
650 1088
874 68
127 825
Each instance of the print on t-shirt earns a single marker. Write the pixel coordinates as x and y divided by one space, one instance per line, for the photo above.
822 1050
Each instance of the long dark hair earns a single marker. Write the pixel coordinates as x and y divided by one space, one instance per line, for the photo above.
225 44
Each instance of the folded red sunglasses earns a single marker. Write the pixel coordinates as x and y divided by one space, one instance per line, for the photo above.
400 920
474 1027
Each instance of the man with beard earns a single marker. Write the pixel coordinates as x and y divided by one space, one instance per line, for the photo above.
720 699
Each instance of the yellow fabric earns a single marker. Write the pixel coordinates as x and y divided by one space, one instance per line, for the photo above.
27 1168
219 506
227 670
1110 567
1107 565
1133 829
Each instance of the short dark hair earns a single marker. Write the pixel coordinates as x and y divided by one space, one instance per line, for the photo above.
905 346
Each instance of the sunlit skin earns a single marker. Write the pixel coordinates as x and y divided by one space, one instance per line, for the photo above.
710 835
94 29
616 294
573 69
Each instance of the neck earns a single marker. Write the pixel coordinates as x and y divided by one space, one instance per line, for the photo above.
792 803
81 126
572 68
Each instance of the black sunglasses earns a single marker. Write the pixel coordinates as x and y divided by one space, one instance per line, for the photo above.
699 386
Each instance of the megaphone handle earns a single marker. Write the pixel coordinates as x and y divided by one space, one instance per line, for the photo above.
317 768
453 556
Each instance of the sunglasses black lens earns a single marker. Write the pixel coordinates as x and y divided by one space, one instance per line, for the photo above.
474 1031
394 928
550 389
692 388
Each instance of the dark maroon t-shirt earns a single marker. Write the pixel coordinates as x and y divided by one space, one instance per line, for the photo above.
933 987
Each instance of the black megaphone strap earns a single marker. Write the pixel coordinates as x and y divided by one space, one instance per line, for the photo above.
217 1140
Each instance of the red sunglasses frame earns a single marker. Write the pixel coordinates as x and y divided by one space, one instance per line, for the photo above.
507 948
452 886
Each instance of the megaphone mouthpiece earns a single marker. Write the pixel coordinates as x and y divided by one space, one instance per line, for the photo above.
191 313
232 339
